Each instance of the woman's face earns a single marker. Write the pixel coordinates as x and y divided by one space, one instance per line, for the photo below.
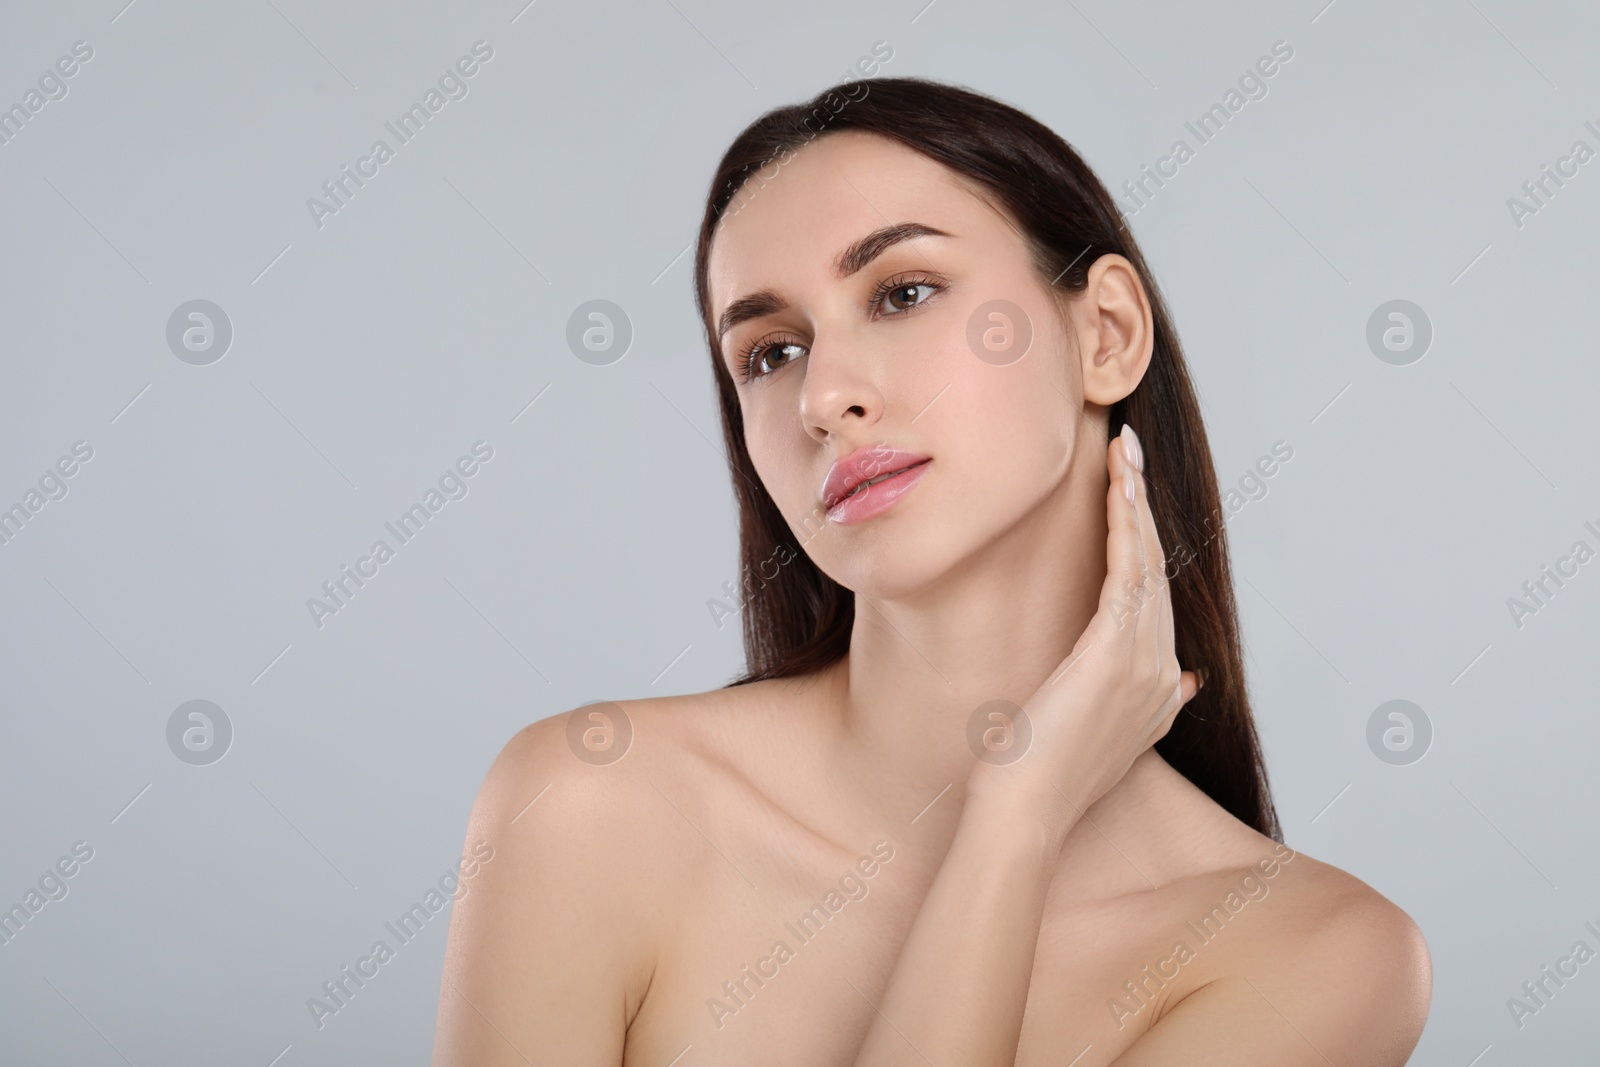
892 349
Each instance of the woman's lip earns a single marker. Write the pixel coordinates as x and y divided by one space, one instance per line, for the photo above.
862 465
877 497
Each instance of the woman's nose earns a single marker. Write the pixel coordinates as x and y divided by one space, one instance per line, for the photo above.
840 390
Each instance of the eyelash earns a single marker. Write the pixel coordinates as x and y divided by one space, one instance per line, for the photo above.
747 360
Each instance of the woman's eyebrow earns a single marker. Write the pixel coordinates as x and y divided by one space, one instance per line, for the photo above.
852 259
750 306
878 242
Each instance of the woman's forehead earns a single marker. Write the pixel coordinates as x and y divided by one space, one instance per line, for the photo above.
801 214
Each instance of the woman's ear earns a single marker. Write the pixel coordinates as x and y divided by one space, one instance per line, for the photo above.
1115 334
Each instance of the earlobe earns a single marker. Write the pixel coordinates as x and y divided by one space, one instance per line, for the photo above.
1112 366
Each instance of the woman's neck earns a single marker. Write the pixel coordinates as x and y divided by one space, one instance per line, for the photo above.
995 628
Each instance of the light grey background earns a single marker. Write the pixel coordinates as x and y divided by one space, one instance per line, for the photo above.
370 353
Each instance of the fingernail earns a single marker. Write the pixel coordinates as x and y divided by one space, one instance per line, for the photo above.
1130 442
1127 482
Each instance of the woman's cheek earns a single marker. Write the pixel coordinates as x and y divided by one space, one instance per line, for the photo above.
774 455
1027 433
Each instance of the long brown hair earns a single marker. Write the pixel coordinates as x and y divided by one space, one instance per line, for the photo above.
797 620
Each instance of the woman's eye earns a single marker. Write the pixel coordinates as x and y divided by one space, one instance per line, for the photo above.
764 354
905 296
786 350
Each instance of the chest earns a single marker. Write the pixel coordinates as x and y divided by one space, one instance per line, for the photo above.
783 959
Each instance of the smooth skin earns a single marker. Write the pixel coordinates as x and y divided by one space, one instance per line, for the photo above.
644 912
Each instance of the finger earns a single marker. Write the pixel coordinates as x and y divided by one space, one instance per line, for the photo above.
1183 692
1125 562
1146 581
1156 641
1188 685
1154 554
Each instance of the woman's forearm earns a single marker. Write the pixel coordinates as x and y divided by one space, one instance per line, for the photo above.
957 992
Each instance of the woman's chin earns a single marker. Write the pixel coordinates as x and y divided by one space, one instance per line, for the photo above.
897 567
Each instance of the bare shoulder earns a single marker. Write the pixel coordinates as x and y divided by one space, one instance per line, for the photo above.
594 758
554 939
596 775
586 784
1335 970
593 788
1359 969
1279 958
1362 947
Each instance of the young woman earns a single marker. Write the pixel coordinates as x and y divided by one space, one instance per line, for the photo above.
969 804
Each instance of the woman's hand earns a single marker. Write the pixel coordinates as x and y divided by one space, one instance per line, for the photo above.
1114 696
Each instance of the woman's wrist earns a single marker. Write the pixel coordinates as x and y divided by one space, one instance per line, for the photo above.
1017 820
